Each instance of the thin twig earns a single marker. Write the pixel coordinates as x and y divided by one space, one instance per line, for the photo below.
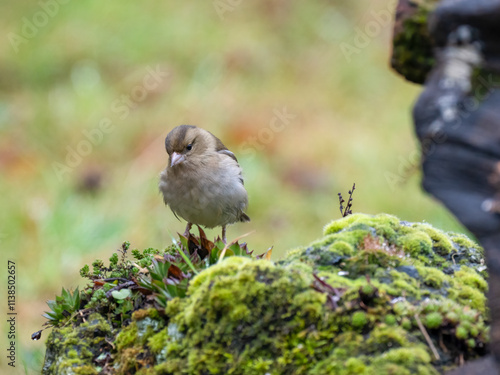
110 342
348 207
114 279
341 200
427 337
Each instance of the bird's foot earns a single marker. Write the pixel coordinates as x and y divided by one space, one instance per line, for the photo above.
224 234
188 228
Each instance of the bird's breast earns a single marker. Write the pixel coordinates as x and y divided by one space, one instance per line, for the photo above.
205 196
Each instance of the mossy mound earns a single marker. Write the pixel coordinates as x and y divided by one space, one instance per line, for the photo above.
77 350
361 300
414 48
395 275
413 55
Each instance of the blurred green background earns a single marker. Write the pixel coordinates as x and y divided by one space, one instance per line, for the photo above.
300 91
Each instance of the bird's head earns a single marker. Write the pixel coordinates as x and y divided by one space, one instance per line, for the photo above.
185 143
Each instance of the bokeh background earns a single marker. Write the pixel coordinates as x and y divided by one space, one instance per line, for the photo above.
300 91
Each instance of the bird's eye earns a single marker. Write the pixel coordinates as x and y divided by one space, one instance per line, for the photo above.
189 147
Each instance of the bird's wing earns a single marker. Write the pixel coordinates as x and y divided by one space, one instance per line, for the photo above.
221 149
228 153
175 214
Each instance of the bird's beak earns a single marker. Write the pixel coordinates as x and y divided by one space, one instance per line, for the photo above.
177 158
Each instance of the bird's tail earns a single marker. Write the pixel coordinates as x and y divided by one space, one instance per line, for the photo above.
244 217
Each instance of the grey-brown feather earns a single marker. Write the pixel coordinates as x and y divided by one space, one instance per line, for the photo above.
207 187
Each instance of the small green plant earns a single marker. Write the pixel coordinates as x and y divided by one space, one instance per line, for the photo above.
118 267
169 277
125 303
150 278
165 281
63 306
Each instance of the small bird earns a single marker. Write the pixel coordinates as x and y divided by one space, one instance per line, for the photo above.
202 182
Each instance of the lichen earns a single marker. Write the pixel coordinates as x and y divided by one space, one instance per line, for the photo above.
353 302
72 350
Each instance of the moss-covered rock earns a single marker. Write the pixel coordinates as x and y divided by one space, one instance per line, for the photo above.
361 300
77 350
414 46
413 55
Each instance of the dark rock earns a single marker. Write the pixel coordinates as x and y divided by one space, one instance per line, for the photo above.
457 121
410 271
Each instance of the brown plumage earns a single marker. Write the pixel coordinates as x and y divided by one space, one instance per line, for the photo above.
202 182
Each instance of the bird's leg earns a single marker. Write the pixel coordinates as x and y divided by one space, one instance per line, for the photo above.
224 234
188 228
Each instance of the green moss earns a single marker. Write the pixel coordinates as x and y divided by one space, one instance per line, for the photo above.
338 225
131 359
359 319
402 308
390 320
464 242
368 289
416 243
471 343
144 335
144 313
432 277
355 366
157 341
342 243
404 361
407 356
452 317
441 242
229 296
342 248
461 332
383 223
468 276
413 55
406 324
253 316
403 285
433 320
71 350
386 337
468 296
127 336
337 280
411 261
